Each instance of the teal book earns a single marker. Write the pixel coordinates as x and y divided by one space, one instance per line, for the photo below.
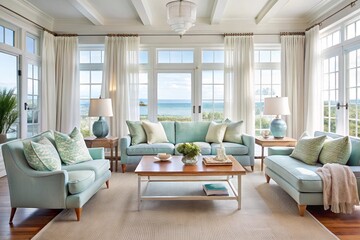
215 189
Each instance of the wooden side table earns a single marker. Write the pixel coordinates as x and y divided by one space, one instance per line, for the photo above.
109 142
273 142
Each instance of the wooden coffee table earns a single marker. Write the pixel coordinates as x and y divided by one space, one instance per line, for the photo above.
175 170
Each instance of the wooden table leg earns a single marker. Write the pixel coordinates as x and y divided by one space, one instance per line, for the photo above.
116 158
262 158
111 158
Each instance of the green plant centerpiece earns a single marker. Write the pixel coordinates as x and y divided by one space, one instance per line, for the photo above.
190 151
8 112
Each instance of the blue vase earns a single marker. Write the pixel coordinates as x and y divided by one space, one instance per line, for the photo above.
100 128
278 128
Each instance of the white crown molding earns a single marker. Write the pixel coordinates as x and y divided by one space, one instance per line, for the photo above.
29 11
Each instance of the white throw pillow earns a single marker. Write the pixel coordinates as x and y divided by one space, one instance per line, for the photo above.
155 132
216 132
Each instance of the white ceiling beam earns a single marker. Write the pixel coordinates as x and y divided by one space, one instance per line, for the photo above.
269 10
143 11
86 9
218 11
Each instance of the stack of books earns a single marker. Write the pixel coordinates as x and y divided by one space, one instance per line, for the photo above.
212 161
215 189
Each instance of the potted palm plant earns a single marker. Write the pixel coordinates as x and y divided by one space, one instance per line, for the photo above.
8 112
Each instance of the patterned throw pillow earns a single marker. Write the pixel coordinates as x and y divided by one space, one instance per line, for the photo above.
72 148
233 132
137 132
308 149
155 132
215 132
336 151
42 155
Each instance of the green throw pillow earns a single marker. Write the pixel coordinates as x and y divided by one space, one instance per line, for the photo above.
72 148
215 132
155 132
137 132
42 155
336 151
308 149
233 132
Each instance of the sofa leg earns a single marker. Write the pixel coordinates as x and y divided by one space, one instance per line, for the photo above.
12 214
107 184
267 178
302 209
252 168
123 167
78 213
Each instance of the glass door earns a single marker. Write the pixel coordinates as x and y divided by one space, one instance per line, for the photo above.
31 106
9 80
175 96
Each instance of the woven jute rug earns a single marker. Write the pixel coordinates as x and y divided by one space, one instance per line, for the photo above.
267 213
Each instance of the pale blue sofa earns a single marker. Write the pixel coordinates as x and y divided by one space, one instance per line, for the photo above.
69 188
299 179
180 132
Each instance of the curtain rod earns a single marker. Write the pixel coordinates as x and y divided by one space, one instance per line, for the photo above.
352 4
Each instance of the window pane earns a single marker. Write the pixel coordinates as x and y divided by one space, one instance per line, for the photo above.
207 77
30 44
336 37
2 34
207 56
143 78
95 91
30 71
163 57
264 56
219 92
219 56
95 56
207 92
357 28
84 77
175 57
36 72
84 56
219 77
275 56
350 31
187 56
96 76
143 57
9 37
84 91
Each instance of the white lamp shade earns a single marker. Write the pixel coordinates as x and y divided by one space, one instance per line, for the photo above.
100 107
276 106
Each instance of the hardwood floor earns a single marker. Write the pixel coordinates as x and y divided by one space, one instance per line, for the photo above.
28 222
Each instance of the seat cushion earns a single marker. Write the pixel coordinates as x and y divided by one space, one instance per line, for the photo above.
99 166
80 181
297 173
205 148
230 148
150 149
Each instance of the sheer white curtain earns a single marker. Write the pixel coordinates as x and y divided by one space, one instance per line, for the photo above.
121 81
67 84
292 73
48 87
239 67
313 114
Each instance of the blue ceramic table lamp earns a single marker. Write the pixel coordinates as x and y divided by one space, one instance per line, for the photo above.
277 106
100 107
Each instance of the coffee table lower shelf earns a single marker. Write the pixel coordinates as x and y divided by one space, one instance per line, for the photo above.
233 193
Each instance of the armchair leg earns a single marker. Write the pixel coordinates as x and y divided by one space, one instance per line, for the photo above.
13 210
302 209
107 184
267 178
78 213
123 167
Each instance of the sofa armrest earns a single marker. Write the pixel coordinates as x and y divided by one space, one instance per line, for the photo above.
285 151
97 153
125 143
249 141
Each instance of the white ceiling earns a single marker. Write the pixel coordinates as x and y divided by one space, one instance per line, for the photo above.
213 16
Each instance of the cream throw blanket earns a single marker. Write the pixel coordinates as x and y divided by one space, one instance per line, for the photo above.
339 187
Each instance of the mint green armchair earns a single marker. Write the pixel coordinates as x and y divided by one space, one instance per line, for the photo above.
69 188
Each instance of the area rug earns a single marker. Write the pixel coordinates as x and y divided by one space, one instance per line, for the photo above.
267 213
